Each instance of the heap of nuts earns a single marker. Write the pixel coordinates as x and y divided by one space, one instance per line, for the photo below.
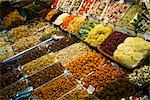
70 53
108 81
85 64
11 89
47 74
140 76
39 63
55 89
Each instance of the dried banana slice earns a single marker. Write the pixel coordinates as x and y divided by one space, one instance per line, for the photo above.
138 39
127 60
138 56
138 46
128 40
121 46
146 45
128 50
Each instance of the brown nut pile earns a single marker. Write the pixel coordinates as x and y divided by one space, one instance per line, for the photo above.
39 63
11 89
79 94
55 89
67 54
45 75
109 83
12 18
62 43
25 43
85 64
10 77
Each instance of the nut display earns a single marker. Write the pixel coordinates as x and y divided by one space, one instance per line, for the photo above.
12 19
141 76
115 11
19 32
10 77
108 82
7 92
45 75
131 51
76 5
50 14
39 63
111 43
6 52
79 94
70 53
98 34
3 38
60 19
98 8
75 25
87 4
85 29
85 64
32 55
25 43
62 43
55 89
66 21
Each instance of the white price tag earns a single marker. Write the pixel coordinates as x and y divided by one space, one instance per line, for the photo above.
121 1
90 89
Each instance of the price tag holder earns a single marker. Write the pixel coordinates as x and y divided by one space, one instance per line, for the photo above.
90 89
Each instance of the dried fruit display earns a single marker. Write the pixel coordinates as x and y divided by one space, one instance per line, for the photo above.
19 32
111 43
11 89
50 14
60 3
131 51
6 52
45 75
76 4
55 89
141 76
60 19
70 53
85 64
3 38
12 19
10 77
62 43
98 8
79 94
115 11
75 25
85 29
32 55
66 21
126 20
67 5
108 81
98 34
87 4
8 66
55 3
39 63
25 43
